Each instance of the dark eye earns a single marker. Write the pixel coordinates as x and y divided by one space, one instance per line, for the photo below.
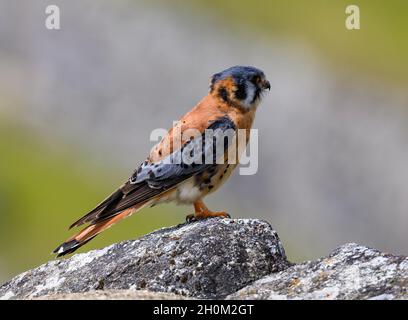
255 79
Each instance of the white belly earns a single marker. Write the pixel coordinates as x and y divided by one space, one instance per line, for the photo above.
192 190
188 192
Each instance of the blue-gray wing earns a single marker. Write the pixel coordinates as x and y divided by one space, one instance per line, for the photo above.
152 179
193 157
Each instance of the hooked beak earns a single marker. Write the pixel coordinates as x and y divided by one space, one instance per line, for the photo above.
266 85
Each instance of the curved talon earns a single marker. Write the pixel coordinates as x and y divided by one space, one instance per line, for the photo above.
190 218
202 212
223 215
210 214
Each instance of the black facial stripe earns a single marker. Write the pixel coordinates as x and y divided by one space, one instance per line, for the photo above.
223 94
256 95
241 93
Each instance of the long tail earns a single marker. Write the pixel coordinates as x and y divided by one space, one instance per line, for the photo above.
125 201
90 232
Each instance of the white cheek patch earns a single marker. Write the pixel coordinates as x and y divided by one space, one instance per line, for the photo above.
250 91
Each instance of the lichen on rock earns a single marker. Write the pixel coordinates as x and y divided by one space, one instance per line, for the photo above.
205 259
350 272
214 258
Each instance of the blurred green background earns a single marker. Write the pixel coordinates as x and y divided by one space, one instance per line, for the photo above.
378 49
77 106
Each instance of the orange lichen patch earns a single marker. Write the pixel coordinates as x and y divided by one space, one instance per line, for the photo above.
321 277
294 282
327 261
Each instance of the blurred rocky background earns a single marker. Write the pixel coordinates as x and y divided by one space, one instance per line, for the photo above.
77 107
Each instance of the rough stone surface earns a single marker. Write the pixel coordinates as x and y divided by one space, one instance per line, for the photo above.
216 258
350 272
113 295
206 259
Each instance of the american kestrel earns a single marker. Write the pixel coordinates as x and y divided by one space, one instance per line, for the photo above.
166 175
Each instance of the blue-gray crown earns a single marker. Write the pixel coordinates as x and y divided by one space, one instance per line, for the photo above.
238 73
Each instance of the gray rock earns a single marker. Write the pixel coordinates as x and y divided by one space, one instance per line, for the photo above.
216 258
350 272
206 259
113 295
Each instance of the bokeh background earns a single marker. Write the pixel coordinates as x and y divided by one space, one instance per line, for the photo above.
77 107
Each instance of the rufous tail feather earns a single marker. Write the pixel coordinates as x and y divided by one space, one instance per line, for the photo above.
90 232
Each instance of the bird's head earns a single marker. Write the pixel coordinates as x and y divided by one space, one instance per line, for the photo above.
240 86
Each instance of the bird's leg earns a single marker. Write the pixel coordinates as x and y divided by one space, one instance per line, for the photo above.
202 212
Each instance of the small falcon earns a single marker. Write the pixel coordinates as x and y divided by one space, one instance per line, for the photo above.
187 164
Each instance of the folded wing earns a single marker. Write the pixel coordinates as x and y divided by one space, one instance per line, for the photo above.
151 180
